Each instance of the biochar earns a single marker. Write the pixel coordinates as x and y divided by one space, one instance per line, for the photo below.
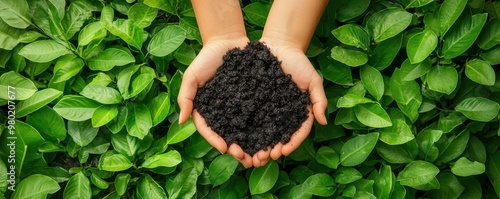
250 101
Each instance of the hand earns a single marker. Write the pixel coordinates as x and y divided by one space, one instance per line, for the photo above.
202 69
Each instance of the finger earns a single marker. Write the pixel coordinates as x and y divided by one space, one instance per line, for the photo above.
260 157
276 151
299 136
246 161
318 100
236 151
212 137
264 162
186 96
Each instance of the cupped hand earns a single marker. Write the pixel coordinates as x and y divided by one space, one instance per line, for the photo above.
202 69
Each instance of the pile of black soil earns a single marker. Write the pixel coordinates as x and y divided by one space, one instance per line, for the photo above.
251 101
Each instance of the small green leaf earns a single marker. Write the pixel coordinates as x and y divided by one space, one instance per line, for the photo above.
82 132
421 45
221 169
184 184
257 12
452 148
45 115
103 115
335 71
411 71
124 29
347 175
76 15
99 182
490 35
388 23
197 146
352 35
320 184
263 178
179 132
328 157
350 57
417 173
15 13
20 87
350 100
478 109
350 9
9 36
109 58
373 81
398 133
147 188
448 13
415 3
462 35
465 167
114 162
169 159
139 84
67 67
169 6
36 101
76 108
357 149
35 186
78 186
138 120
372 115
159 107
91 32
385 52
43 51
449 186
480 72
166 41
443 79
121 183
142 15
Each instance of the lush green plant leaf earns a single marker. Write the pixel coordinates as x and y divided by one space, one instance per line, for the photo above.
166 41
320 184
147 187
43 51
352 35
465 167
78 186
347 10
114 162
480 71
82 132
463 34
169 159
138 120
184 185
372 115
478 108
103 115
388 23
421 45
348 56
43 116
490 35
67 67
36 186
328 157
110 58
357 149
37 101
142 15
91 32
385 52
262 179
417 173
179 132
221 169
443 79
346 175
21 87
373 81
15 13
415 3
76 108
448 13
257 12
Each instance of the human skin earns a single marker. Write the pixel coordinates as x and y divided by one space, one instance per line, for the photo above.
288 31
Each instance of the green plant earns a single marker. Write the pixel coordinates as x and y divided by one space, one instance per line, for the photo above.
412 88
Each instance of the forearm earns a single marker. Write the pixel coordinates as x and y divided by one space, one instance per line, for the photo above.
293 22
219 19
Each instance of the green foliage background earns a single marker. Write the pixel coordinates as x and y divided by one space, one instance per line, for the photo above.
412 85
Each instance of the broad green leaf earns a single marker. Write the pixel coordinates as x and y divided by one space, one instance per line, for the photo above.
126 30
139 84
320 184
415 3
450 122
465 167
36 101
9 36
372 115
384 182
185 54
142 15
352 35
398 154
179 132
103 115
102 94
221 169
478 109
357 149
493 171
372 80
21 87
257 12
335 71
452 148
43 116
114 162
490 35
159 107
15 13
169 159
192 32
350 100
398 133
67 67
16 62
166 41
443 79
473 189
350 9
385 52
406 94
492 55
480 72
78 186
476 150
91 32
328 157
98 182
35 186
148 188
166 5
76 108
123 79
463 34
119 121
30 36
110 58
82 132
197 146
417 173
426 140
138 120
347 175
47 16
121 183
125 144
448 13
421 45
411 71
184 185
43 51
77 14
350 57
449 186
388 23
263 178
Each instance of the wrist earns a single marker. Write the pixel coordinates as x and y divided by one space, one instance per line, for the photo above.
277 38
230 34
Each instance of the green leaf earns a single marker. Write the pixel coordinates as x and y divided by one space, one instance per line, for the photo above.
350 100
490 35
142 15
406 94
179 132
421 45
263 178
139 84
350 57
350 9
125 144
99 182
166 41
15 13
449 13
472 189
388 23
328 157
102 94
357 149
478 109
114 162
385 52
417 173
159 107
35 186
30 36
347 175
185 54
110 58
123 79
449 186
36 101
480 72
492 55
465 167
82 132
77 14
411 71
47 16
257 12
147 188
166 5
103 115
184 185
398 133
426 140
453 147
384 182
415 3
45 115
372 80
21 87
91 32
138 120
463 34
197 146
192 32
9 36
43 51
493 171
3 177
169 159
221 169
320 184
352 35
121 183
126 30
443 79
76 108
67 67
335 71
372 115
78 186
450 122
